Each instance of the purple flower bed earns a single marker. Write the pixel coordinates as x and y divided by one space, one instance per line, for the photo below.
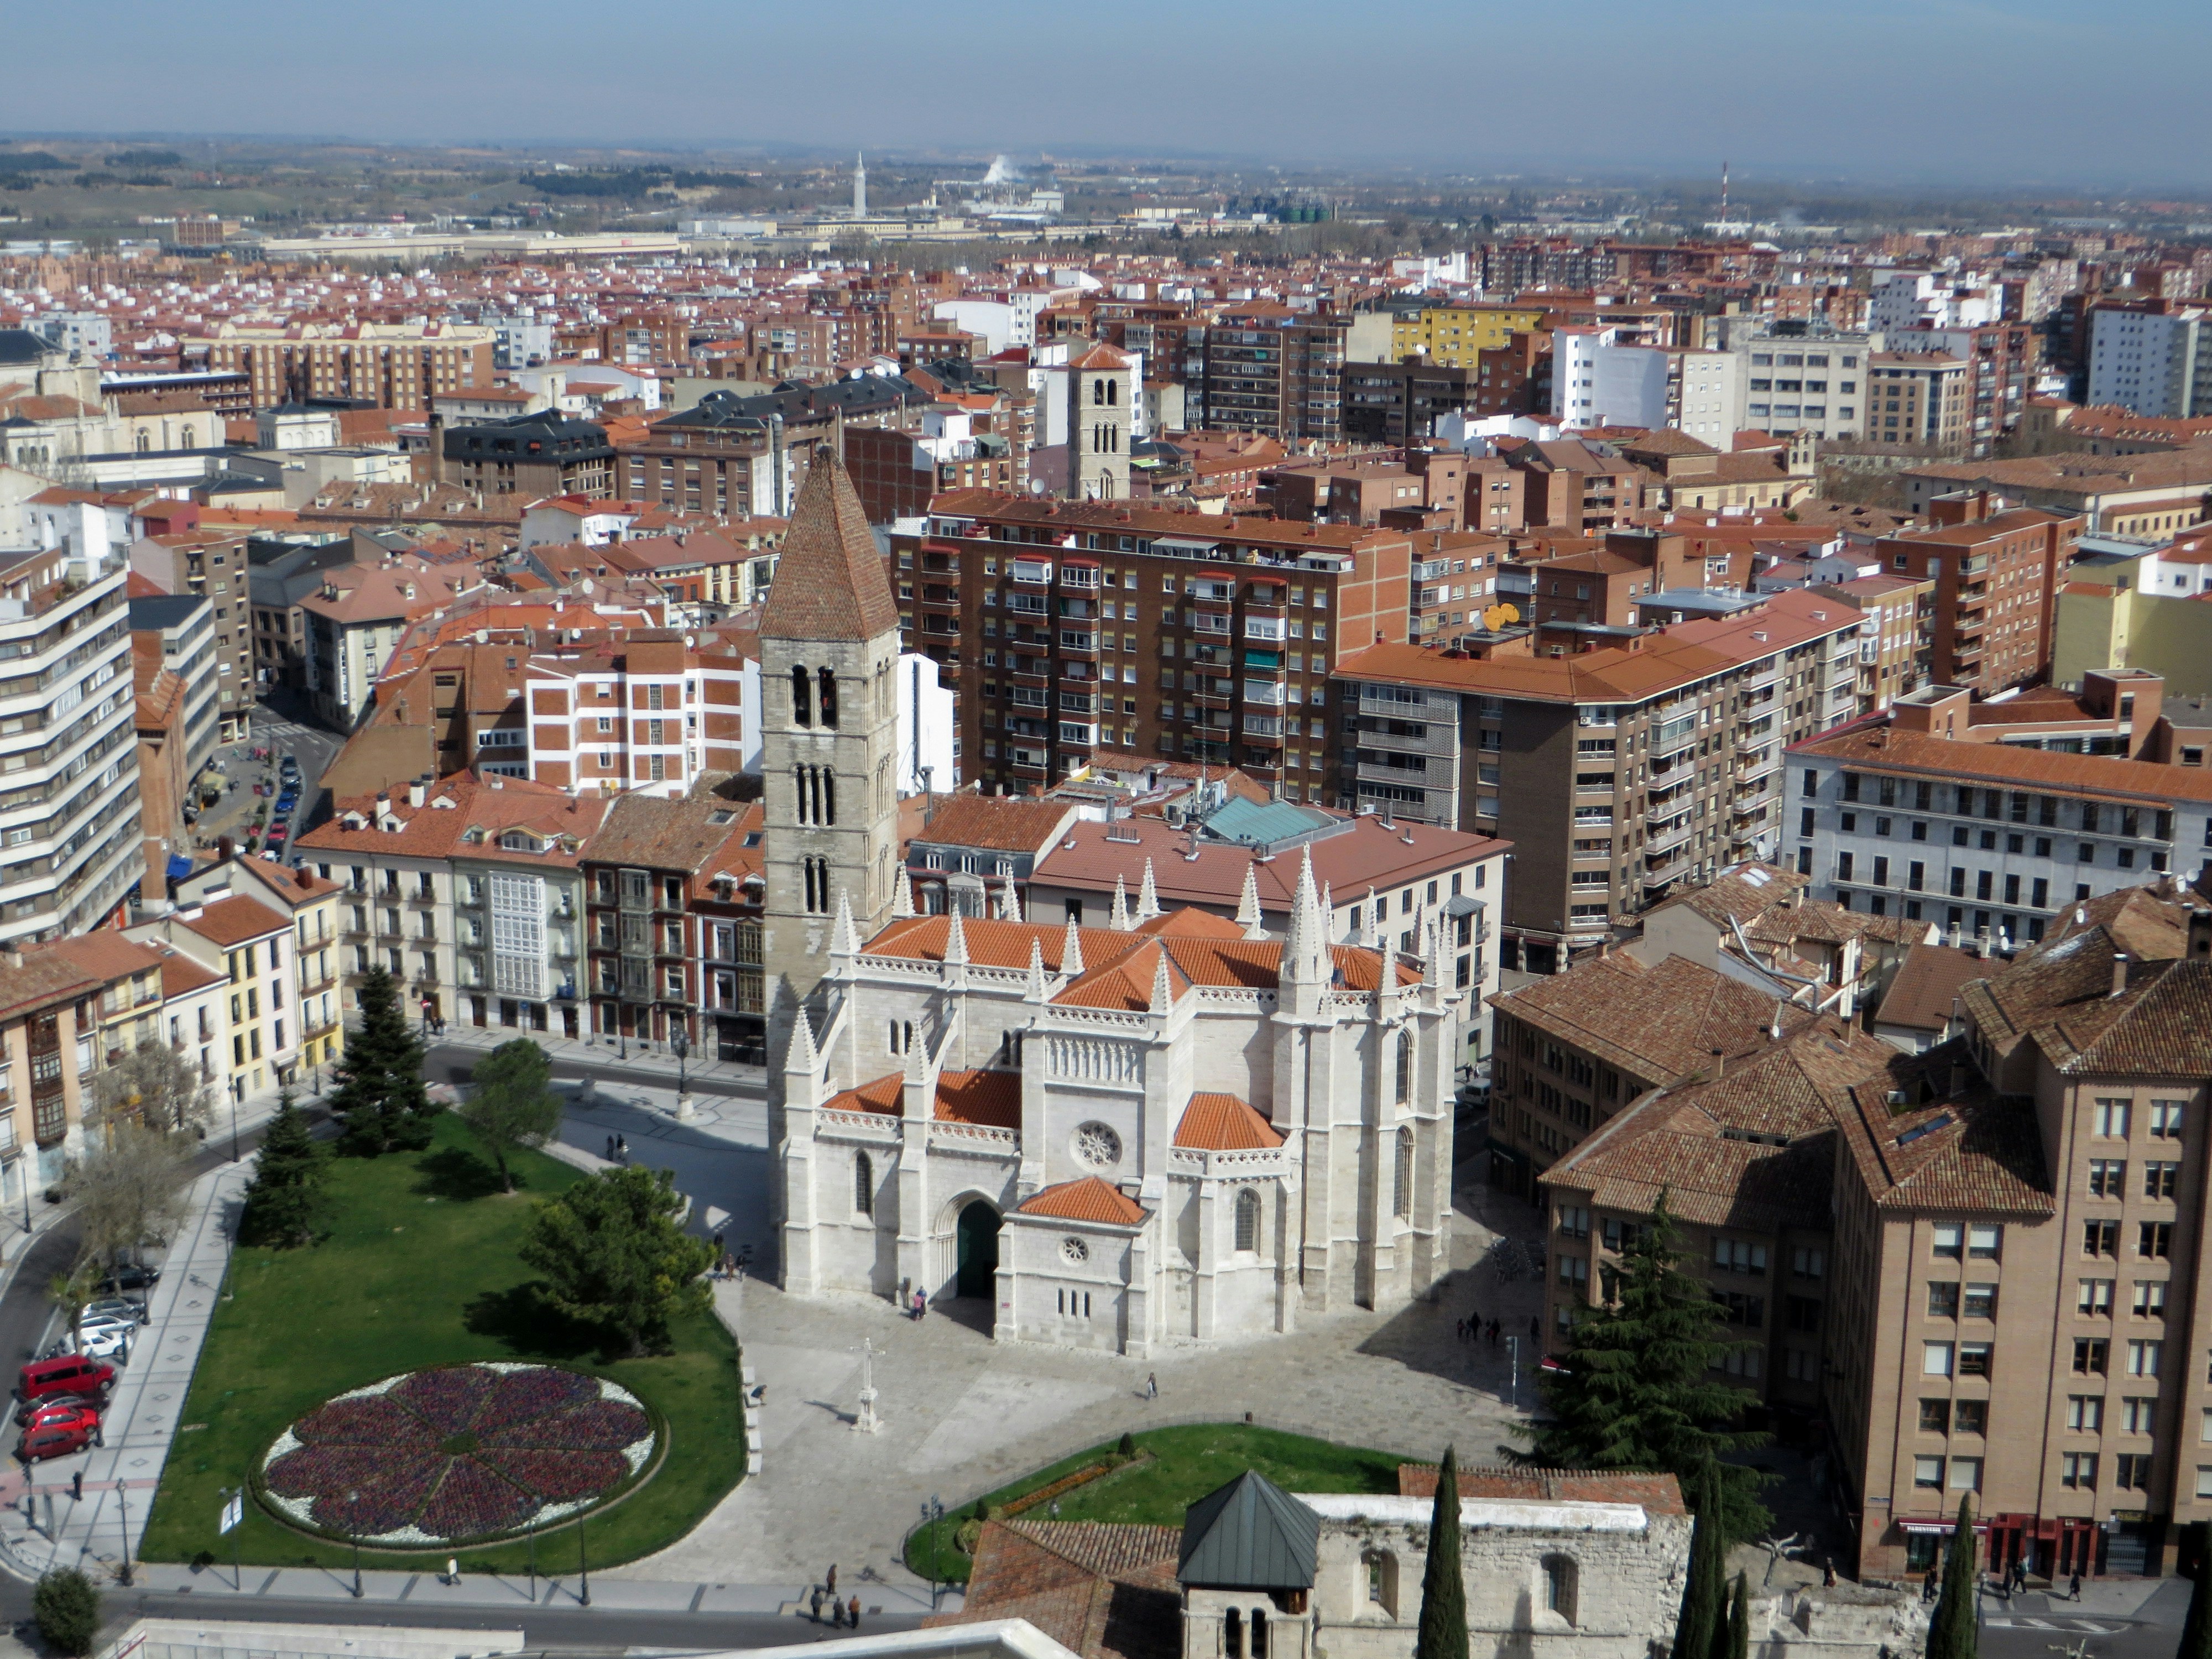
457 1452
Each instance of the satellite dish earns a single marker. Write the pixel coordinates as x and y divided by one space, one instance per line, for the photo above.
1500 615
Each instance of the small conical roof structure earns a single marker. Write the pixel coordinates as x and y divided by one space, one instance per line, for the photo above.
1118 917
1071 951
1247 905
956 938
830 582
902 895
1249 1534
1148 895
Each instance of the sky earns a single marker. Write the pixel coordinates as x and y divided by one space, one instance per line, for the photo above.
1983 92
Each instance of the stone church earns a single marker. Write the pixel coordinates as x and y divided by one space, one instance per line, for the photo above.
1173 1129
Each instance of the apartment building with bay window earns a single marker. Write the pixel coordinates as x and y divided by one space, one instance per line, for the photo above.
1621 775
1081 632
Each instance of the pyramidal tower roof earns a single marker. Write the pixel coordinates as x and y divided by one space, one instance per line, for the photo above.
830 582
1249 1534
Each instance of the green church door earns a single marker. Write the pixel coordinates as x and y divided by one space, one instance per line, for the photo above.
979 1252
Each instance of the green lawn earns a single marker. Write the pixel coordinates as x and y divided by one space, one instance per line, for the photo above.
421 1268
1187 1463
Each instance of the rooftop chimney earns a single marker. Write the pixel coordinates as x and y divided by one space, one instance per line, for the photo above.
2119 972
1720 1064
415 792
2200 935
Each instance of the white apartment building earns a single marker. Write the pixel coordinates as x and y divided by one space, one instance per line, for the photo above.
69 847
2154 363
648 711
1908 298
1596 380
1814 384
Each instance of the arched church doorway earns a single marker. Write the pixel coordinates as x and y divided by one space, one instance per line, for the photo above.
978 1272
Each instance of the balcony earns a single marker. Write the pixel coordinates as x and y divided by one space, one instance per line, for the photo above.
312 983
1084 577
1663 841
934 598
1265 730
1031 573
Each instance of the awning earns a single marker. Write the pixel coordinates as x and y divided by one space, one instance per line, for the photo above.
1981 1528
1460 904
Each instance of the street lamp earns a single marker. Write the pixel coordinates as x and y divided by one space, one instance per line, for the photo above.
932 1514
234 1126
679 1044
583 1565
352 1498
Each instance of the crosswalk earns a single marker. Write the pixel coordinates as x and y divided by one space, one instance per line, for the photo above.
2088 1625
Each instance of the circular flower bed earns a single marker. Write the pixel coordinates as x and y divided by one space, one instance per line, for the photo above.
457 1453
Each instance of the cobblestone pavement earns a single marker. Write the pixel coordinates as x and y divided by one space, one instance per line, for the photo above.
963 1415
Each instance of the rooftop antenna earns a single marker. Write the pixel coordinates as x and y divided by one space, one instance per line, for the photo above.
1723 192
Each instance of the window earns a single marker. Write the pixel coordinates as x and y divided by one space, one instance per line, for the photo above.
1981 1301
802 702
1950 1239
2078 1469
2131 1471
2094 1298
1971 1417
1248 1220
1935 1417
1927 1472
863 1185
1985 1243
1944 1300
2159 1180
2143 1358
2101 1238
2091 1356
1574 1221
2112 1118
2155 1240
1935 1358
1402 1183
1965 1474
2166 1119
1560 1587
1738 1255
2107 1177
1808 1263
2085 1413
1974 1358
2139 1415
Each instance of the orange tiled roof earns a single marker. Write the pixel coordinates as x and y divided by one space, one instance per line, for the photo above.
880 1095
991 1098
1223 1123
1089 1199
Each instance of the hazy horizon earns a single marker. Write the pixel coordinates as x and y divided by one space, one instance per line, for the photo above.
1996 94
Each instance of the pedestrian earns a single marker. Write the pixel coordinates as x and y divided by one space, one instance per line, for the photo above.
814 1605
621 1147
718 1245
1828 1572
2074 1586
452 1571
611 1149
853 1613
830 1583
1928 1586
1151 1385
921 1307
1459 1330
2020 1572
1473 1323
837 1613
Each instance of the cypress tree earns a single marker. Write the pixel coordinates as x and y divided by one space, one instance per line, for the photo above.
286 1196
1736 1640
1636 1390
1443 1634
1951 1631
1701 1621
379 1092
2197 1628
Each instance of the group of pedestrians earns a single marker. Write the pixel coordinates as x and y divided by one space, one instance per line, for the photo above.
1475 1328
617 1150
843 1615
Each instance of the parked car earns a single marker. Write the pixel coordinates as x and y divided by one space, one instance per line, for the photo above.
121 1307
277 832
132 1276
290 766
69 1374
106 1341
31 1411
56 1439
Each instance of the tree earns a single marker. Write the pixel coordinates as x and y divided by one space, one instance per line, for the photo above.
614 1253
1636 1390
1442 1634
286 1197
130 1192
1951 1631
69 1291
67 1609
2197 1628
1736 1642
157 1085
1700 1622
380 1091
512 1104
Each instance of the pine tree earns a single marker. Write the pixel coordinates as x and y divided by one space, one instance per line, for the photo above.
512 1104
1701 1620
1951 1631
286 1197
614 1253
2197 1628
380 1094
1636 1390
1736 1640
1442 1634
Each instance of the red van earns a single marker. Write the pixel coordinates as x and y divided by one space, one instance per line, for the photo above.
71 1374
59 1439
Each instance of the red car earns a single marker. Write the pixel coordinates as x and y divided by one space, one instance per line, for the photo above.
71 1374
58 1405
59 1438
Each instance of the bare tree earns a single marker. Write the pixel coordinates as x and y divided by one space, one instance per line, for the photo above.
157 1085
130 1193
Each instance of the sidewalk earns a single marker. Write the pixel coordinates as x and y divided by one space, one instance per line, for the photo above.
221 1581
42 1523
652 1060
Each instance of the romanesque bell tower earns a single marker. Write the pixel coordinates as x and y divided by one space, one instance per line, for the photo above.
828 715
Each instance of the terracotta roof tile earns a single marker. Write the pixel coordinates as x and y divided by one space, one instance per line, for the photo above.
1223 1123
884 1095
991 1098
829 581
234 921
1924 991
1088 1199
1007 824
